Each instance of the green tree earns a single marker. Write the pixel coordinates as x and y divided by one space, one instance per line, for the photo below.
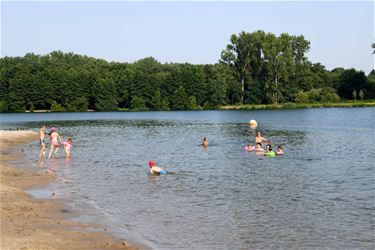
55 107
3 106
179 99
351 80
156 101
138 104
104 94
79 104
361 95
192 103
354 94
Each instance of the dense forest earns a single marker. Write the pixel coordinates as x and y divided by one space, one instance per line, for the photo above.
255 67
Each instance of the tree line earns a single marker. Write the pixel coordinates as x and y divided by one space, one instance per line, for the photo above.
254 68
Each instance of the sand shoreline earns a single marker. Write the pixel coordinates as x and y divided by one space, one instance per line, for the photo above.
29 223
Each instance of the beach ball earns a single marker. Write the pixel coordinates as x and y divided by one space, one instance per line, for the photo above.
253 123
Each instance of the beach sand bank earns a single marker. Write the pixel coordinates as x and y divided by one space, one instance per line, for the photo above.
28 223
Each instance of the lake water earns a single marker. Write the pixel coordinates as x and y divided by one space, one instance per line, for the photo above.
320 194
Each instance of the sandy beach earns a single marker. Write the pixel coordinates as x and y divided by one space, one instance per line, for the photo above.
29 223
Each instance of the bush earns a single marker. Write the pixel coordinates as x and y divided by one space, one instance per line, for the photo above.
317 95
138 104
79 104
192 103
57 107
302 97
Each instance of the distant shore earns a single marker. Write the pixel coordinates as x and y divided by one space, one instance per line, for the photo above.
288 105
28 223
291 105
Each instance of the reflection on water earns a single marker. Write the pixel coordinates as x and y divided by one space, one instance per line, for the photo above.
319 194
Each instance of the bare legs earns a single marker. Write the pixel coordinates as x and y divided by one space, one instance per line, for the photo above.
42 150
51 150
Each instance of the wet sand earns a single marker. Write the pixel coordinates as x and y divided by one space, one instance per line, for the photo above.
28 223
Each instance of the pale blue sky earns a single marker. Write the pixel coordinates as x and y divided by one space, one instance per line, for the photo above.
341 33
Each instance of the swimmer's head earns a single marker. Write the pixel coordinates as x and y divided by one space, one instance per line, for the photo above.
53 129
258 133
70 140
42 126
269 147
280 147
260 144
151 163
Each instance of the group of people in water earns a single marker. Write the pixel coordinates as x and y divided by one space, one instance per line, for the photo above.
54 138
259 139
154 170
258 148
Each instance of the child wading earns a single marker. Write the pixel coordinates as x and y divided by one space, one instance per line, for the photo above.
42 143
68 147
54 143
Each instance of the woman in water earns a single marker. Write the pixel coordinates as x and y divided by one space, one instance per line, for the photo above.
54 143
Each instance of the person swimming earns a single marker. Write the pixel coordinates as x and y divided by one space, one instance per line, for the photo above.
205 142
279 150
248 147
270 152
155 170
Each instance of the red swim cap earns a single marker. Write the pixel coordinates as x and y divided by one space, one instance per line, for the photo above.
151 163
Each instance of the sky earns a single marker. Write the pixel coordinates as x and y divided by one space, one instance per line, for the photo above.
340 32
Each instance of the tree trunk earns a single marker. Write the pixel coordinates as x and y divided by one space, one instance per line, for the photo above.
242 88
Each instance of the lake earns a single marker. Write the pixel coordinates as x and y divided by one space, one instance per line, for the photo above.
319 194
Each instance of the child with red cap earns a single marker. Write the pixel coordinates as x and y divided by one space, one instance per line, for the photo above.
155 169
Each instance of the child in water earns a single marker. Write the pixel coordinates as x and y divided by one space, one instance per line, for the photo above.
41 141
269 152
279 150
54 143
155 170
248 147
259 148
205 142
68 147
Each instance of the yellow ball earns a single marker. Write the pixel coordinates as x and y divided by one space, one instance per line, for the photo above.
253 123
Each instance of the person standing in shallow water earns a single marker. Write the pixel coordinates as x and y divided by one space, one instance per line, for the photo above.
54 143
42 143
259 138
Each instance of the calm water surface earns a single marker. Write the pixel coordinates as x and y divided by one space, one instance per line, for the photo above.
320 194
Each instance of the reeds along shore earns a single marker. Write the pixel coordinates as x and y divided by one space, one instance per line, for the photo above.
28 223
